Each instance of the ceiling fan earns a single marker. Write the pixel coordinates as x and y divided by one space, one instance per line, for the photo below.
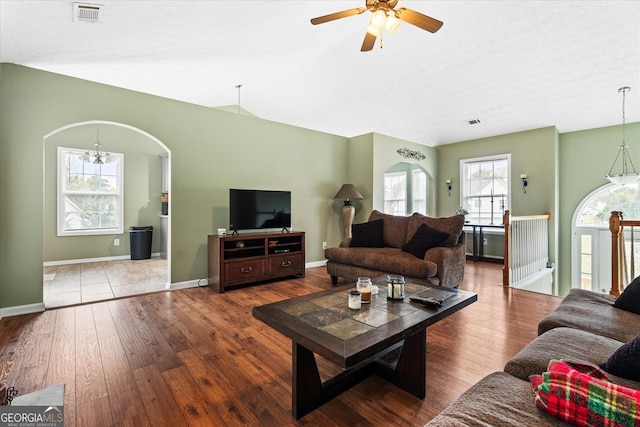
386 16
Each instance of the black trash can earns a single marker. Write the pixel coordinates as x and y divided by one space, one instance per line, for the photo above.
140 239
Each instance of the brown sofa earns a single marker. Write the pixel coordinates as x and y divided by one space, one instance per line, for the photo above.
442 265
581 329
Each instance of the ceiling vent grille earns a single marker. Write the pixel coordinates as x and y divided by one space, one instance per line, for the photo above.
86 12
473 122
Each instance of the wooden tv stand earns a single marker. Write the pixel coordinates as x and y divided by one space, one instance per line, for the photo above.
249 258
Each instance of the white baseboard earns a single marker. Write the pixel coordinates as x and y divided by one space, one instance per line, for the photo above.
99 259
188 284
21 309
315 264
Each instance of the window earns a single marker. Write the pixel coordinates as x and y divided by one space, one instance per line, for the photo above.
90 196
395 193
485 188
419 191
591 243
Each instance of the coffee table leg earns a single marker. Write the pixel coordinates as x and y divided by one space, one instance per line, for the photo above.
306 383
410 370
308 392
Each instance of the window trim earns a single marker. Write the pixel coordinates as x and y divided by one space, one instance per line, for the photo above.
60 195
492 158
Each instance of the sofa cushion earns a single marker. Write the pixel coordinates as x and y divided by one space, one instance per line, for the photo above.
498 399
560 343
592 312
630 298
367 234
625 361
388 259
424 239
451 225
394 230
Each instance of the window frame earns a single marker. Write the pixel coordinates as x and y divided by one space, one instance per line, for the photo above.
63 152
464 186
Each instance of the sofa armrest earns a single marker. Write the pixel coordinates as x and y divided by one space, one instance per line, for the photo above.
345 243
450 262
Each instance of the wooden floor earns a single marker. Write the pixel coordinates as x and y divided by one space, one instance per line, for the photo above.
195 357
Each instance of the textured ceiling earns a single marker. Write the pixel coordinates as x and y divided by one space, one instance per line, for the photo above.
515 65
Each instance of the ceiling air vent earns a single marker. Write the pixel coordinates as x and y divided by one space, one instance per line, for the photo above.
86 12
473 122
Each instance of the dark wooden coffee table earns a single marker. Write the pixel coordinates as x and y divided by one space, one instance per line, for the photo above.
386 338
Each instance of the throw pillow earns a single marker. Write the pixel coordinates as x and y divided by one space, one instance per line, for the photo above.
424 239
581 394
625 361
629 300
368 234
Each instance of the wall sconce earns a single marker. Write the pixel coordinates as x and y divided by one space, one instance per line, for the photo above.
523 177
448 184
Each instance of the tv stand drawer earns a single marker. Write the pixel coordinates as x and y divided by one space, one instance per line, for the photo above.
285 265
244 270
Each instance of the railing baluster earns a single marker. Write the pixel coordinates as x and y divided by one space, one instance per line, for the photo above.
526 246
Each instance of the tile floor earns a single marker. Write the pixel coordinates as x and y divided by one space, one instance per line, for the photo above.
96 281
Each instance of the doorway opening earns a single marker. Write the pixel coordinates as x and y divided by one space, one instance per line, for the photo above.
96 263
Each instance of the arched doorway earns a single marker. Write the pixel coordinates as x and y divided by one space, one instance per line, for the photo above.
93 262
591 238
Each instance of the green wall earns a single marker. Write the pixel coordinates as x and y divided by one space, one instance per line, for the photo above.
211 151
142 188
562 170
373 154
532 152
585 158
386 157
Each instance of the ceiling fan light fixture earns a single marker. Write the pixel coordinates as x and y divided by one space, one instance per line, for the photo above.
378 18
628 172
392 24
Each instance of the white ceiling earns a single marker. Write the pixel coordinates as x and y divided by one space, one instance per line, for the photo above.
515 65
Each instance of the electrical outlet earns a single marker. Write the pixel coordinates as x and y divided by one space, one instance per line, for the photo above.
324 245
116 242
484 242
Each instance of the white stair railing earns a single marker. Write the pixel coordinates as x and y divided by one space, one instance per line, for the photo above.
526 247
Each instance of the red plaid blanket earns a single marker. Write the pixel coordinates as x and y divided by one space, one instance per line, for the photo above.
582 395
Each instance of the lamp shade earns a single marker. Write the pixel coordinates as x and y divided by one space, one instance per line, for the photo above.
348 191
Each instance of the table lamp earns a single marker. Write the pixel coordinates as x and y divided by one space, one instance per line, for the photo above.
348 192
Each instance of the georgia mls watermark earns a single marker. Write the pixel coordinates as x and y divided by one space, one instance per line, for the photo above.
31 416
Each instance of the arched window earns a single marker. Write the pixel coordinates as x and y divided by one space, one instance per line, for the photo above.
591 245
405 189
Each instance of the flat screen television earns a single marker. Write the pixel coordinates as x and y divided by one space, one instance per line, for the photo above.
258 209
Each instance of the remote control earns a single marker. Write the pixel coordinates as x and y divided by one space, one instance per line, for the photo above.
426 300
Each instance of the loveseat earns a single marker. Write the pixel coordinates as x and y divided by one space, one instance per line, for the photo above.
417 246
587 328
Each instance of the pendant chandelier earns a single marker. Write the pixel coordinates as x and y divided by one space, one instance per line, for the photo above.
97 157
627 176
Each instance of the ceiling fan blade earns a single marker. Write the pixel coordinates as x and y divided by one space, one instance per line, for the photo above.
337 15
418 19
369 41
